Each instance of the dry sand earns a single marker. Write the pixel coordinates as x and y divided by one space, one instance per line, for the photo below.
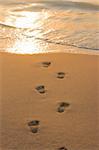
76 127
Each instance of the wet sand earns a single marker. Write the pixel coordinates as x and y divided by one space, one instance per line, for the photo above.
49 102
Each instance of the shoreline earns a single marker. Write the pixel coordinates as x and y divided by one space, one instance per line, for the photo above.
70 51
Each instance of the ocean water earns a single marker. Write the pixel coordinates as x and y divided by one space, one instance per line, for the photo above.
42 26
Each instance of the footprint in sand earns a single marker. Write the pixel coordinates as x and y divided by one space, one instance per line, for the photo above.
34 125
62 106
46 64
41 89
60 75
62 148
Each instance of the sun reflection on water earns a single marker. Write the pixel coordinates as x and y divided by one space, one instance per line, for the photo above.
26 24
24 19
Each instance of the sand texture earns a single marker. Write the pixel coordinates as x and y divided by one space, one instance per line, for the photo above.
49 102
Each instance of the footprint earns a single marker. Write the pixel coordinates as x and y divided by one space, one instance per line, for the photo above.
34 125
62 106
41 89
62 148
60 75
46 64
34 130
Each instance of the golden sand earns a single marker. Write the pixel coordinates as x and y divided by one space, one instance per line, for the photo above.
49 101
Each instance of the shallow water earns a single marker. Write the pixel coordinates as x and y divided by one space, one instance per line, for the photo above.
34 26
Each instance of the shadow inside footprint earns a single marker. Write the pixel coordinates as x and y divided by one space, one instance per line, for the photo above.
34 130
62 148
41 89
34 125
62 106
46 64
60 75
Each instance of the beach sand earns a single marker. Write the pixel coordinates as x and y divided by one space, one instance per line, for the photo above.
61 96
